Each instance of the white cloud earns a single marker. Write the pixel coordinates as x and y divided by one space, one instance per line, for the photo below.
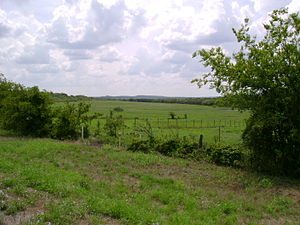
111 47
81 27
294 6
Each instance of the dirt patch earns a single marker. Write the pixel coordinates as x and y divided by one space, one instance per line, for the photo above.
3 138
272 221
132 182
23 216
110 221
290 192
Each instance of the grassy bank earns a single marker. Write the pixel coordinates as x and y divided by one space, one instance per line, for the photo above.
64 183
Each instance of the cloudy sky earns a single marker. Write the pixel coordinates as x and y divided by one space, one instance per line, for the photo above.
120 47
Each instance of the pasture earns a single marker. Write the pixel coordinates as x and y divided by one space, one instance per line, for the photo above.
190 120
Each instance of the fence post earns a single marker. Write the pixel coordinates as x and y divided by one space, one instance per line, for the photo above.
135 122
200 141
82 132
219 133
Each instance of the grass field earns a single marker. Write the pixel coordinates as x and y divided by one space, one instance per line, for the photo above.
206 120
51 182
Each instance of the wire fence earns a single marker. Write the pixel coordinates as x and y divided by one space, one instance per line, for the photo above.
184 123
225 130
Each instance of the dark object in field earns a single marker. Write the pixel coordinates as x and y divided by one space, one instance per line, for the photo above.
200 141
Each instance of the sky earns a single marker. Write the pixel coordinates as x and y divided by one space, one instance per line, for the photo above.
121 47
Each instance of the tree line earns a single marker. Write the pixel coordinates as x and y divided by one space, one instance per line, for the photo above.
30 112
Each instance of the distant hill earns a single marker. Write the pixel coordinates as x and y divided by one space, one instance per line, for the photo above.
62 97
126 97
164 99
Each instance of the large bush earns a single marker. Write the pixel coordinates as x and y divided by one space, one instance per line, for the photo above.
225 155
113 124
68 121
29 112
25 111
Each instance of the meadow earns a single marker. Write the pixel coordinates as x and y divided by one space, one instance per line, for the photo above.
215 123
52 182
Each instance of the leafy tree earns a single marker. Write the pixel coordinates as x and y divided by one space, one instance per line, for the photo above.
172 115
25 111
264 77
118 109
113 124
68 120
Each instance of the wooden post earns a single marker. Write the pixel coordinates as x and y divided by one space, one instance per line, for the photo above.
200 141
82 132
219 133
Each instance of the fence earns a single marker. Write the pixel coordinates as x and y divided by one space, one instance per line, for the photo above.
187 123
213 130
184 123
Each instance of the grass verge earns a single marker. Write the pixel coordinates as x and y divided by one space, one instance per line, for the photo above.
63 183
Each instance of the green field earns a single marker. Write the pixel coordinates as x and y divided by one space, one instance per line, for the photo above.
206 120
52 182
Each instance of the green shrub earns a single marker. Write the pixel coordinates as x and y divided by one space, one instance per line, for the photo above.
141 146
225 155
186 149
25 111
118 109
68 121
172 147
169 147
113 124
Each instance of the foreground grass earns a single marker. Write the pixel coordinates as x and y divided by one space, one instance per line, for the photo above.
62 183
